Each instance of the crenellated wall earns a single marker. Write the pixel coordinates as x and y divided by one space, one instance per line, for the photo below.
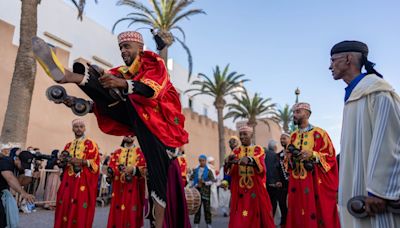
203 137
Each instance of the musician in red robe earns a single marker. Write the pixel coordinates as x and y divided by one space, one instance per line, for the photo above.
183 166
128 186
138 99
76 196
313 181
250 203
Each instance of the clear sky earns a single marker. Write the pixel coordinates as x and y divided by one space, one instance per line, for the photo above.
283 44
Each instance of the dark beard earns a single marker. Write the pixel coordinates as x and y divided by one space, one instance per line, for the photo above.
129 63
297 122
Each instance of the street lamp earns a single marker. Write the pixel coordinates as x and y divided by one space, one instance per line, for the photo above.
297 92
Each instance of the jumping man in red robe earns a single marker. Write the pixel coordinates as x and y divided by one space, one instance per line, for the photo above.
128 187
250 203
313 182
76 196
135 99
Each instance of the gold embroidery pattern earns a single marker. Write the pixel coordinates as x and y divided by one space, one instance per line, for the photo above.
76 149
152 84
123 70
134 68
79 150
246 172
146 116
328 146
128 157
156 109
299 172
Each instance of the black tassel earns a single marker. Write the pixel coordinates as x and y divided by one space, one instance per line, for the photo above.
159 41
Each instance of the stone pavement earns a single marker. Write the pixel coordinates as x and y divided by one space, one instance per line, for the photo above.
45 219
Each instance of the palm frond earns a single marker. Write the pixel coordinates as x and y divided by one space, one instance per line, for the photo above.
139 20
187 15
132 19
80 6
177 7
190 58
182 32
251 108
159 12
136 5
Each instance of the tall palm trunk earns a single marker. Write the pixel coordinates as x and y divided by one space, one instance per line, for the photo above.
15 126
253 125
164 55
221 132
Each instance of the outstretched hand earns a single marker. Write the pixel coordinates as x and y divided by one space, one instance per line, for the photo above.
28 197
244 161
306 155
374 205
109 81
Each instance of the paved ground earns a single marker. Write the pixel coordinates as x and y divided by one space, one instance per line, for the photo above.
45 219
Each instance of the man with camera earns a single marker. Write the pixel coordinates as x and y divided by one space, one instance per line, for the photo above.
8 206
126 172
76 197
313 181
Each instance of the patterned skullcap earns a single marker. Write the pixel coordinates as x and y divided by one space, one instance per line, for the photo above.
130 36
286 134
302 105
350 46
78 121
210 159
234 137
246 128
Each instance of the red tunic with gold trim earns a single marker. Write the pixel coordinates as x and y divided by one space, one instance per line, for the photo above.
183 166
161 113
312 195
76 196
250 203
127 200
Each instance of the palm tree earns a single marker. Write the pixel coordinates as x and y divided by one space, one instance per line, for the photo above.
222 84
163 16
252 108
15 125
80 5
285 115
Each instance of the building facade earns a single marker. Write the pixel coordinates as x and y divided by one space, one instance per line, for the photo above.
74 40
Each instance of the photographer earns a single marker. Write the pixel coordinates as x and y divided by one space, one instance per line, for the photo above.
8 205
52 181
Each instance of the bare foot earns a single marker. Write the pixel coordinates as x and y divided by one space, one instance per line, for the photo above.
71 77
